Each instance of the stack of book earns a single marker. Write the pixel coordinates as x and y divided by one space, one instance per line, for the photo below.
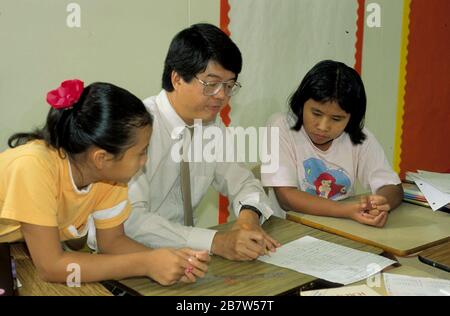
412 194
427 189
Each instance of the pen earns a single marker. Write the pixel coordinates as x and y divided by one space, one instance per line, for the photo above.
266 251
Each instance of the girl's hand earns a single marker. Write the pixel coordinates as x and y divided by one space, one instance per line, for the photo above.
168 266
370 210
366 218
379 203
198 264
374 204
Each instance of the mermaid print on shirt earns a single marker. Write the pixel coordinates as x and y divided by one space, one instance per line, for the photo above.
322 181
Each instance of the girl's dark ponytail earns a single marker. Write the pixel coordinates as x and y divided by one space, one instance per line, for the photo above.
104 115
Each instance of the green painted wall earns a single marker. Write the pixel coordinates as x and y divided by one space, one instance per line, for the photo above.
380 73
122 42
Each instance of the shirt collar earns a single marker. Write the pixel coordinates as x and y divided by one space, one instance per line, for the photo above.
175 122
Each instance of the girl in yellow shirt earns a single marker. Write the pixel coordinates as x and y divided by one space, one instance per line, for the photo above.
58 182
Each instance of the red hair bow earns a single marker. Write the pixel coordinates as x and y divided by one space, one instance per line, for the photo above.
66 95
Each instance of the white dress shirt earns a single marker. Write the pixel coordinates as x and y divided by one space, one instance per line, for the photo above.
157 218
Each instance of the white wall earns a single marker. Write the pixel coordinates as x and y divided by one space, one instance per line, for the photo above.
122 42
380 73
280 42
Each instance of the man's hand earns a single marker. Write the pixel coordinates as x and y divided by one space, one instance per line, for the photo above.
245 241
249 220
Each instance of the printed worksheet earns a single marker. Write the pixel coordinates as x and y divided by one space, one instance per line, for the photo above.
356 290
326 260
403 285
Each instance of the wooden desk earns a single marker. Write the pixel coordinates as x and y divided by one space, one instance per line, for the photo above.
255 278
409 266
410 228
32 285
437 256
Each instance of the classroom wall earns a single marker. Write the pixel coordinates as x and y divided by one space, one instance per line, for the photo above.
122 42
125 43
380 73
402 60
282 40
303 32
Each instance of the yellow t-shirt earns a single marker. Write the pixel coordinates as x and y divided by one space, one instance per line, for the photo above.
36 187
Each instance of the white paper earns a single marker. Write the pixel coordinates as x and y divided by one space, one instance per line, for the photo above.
356 290
326 260
435 198
440 181
403 285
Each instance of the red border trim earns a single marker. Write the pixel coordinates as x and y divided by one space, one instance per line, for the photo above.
225 113
359 35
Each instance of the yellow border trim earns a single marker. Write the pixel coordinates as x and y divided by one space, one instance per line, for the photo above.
401 85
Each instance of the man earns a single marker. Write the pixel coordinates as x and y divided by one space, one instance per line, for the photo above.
200 76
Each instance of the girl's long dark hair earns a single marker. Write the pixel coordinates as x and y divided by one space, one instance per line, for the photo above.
332 81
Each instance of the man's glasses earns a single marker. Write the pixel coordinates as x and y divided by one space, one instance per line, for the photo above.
212 88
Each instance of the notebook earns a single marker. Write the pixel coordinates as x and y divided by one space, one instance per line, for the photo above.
6 275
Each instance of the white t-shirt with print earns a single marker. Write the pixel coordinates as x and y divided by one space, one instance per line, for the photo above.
332 173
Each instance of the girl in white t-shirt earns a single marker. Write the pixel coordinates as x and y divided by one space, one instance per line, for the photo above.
324 149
